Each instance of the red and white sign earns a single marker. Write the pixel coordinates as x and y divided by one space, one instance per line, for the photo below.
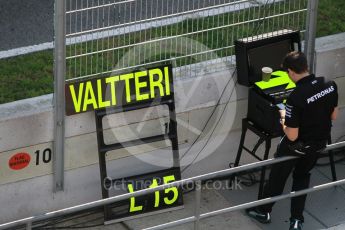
19 161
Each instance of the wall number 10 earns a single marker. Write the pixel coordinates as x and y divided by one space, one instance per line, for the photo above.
46 156
170 192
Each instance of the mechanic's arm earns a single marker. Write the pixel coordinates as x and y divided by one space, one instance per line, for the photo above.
291 133
335 113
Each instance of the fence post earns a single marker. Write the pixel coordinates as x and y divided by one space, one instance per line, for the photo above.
309 48
197 204
59 94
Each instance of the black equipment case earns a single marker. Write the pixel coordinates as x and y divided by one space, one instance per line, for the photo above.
252 54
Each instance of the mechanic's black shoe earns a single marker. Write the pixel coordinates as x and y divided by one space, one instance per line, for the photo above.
262 217
295 224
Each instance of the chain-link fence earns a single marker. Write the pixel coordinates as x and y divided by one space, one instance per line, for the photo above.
104 36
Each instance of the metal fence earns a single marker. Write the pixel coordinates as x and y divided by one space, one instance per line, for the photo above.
104 36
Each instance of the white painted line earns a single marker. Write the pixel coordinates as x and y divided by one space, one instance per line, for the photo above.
26 50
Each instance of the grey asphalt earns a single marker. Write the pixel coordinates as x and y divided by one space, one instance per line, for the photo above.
30 22
25 22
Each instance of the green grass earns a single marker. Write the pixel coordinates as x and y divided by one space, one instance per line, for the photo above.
331 17
26 76
32 75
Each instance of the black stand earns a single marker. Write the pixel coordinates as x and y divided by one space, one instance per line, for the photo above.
266 137
263 137
170 133
331 161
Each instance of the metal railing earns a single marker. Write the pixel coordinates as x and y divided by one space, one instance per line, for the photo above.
197 179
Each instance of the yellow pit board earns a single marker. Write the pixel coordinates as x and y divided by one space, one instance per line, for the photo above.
143 86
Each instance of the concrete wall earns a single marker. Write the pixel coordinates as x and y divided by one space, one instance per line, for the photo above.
26 126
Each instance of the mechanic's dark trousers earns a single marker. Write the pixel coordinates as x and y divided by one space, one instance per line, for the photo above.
301 176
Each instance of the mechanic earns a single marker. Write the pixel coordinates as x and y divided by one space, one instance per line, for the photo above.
306 123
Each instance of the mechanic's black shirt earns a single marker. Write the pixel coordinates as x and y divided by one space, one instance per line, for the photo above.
309 108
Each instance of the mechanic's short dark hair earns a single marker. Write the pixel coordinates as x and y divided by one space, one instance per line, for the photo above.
296 61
